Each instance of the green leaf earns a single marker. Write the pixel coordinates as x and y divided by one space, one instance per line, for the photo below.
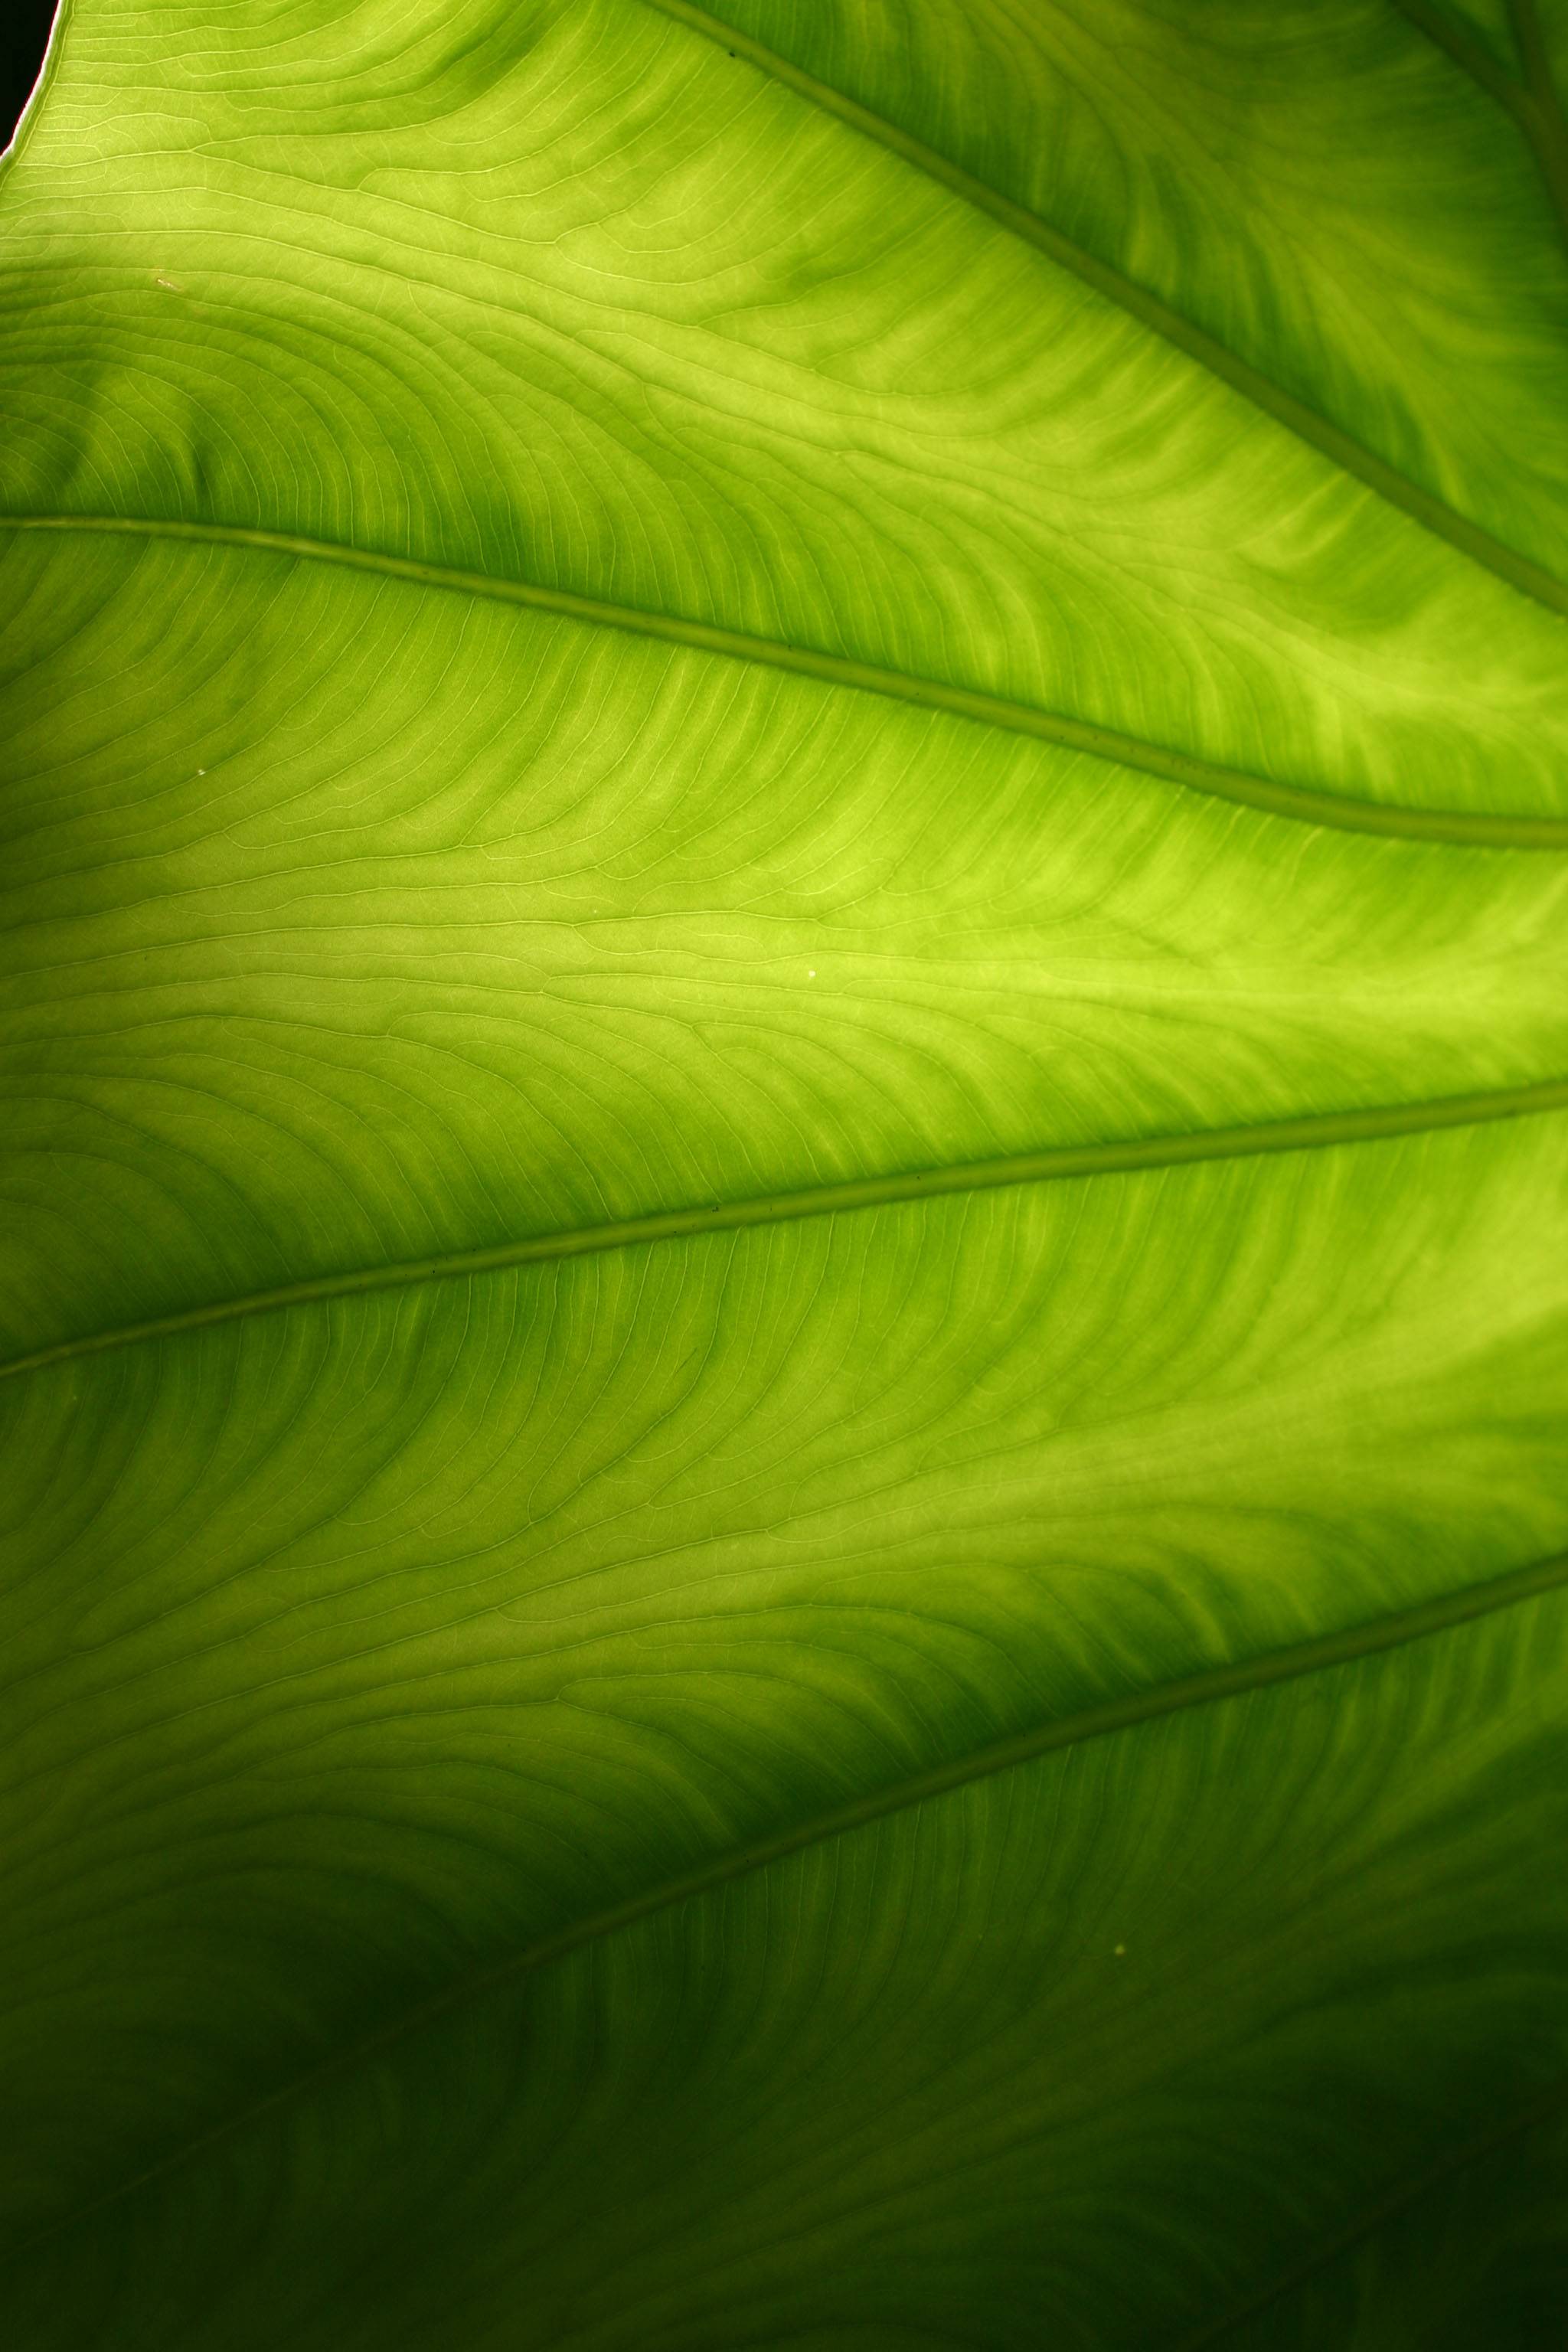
784 1268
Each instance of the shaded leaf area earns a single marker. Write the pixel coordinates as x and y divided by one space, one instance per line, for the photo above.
1062 2056
440 1622
1477 2253
477 1871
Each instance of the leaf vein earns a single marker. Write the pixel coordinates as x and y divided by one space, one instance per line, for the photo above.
1540 115
1309 425
1301 804
1238 1679
1059 1163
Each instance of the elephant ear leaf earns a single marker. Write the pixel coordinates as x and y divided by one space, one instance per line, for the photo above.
784 1260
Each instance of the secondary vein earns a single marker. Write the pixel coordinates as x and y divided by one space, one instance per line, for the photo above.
1352 456
1532 102
1236 1680
1453 828
1062 1161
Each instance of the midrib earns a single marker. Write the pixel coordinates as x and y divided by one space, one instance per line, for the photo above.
1341 448
1394 1631
1453 828
1315 1133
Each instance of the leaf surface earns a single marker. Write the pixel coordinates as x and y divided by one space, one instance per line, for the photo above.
785 1273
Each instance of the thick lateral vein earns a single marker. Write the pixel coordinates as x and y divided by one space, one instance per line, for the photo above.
1235 1681
1532 103
1454 39
1457 828
1352 456
1055 1165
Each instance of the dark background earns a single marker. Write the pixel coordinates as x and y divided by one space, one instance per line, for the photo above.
23 34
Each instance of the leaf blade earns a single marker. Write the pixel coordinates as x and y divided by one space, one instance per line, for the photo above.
468 471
